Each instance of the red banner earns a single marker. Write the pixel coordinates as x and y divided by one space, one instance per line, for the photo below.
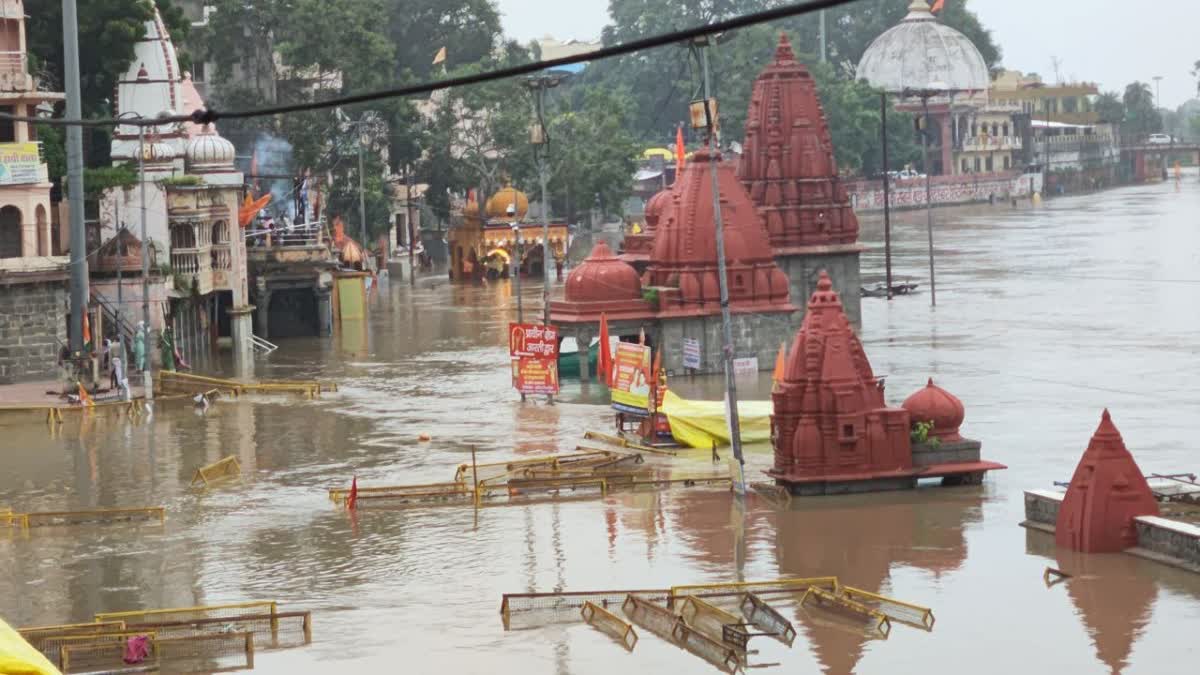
534 375
528 339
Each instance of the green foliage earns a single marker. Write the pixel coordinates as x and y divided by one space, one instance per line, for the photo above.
650 295
1110 108
54 149
1141 115
920 431
98 180
181 181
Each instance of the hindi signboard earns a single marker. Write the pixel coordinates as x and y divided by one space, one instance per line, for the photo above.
533 350
691 353
631 383
746 366
20 163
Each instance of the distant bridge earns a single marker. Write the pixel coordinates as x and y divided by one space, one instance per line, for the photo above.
1146 160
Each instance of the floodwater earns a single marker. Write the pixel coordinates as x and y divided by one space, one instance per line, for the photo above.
1044 317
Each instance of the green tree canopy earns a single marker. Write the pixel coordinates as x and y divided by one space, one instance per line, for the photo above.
1141 116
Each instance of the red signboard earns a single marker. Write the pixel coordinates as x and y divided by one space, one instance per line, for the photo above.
528 339
533 375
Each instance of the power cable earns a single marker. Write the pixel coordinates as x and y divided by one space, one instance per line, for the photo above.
208 115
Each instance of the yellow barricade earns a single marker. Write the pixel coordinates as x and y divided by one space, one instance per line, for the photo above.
56 648
622 443
772 587
896 610
103 516
767 619
567 603
197 653
715 652
36 635
843 605
143 616
607 622
286 629
402 495
226 467
653 617
714 622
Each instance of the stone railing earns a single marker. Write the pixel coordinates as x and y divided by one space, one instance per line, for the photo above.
978 143
193 263
222 258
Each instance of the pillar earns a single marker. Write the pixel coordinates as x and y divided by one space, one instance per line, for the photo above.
583 338
324 311
241 327
263 305
947 147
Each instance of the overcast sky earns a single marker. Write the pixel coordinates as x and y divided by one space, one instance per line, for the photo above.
1112 42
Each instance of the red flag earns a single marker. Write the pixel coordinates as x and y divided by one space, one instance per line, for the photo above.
679 151
352 499
937 6
604 363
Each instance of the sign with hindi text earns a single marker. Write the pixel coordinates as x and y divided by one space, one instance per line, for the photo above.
631 378
535 375
20 163
533 350
691 353
528 339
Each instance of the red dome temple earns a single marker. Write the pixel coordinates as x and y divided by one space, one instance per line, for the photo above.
636 248
1106 493
833 432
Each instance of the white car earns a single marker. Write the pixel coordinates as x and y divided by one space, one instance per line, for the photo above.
1159 139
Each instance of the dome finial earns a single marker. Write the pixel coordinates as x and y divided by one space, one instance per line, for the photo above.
783 52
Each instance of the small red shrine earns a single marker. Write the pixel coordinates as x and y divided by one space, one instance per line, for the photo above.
787 163
1106 493
636 248
832 429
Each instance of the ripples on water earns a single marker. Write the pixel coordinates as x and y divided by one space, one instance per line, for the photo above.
1044 317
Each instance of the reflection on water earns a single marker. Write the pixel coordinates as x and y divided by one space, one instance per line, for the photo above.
1044 317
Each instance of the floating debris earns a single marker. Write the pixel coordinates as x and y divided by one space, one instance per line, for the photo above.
220 470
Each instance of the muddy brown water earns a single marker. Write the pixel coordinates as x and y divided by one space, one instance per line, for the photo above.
1044 317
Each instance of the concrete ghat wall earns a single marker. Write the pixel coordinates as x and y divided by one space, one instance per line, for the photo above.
867 195
753 335
1167 541
803 271
32 326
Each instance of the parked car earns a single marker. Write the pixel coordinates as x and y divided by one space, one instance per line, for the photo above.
1159 139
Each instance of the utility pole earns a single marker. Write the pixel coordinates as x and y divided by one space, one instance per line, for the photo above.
362 198
1157 87
714 145
925 94
79 270
147 380
821 35
547 253
515 271
412 245
887 216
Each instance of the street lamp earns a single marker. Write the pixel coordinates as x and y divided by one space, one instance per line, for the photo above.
147 382
539 137
931 90
515 270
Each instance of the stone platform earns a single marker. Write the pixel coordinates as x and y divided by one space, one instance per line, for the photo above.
950 473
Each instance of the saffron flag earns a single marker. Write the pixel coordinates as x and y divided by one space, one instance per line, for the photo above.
84 399
937 6
352 498
87 332
604 363
680 151
780 361
440 56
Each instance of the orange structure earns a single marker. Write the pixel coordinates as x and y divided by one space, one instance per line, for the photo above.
832 430
1106 493
505 241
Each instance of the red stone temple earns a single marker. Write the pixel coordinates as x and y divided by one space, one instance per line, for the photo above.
636 248
833 431
678 295
1106 493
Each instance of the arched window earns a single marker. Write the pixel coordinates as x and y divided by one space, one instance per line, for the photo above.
10 232
183 236
1004 128
220 232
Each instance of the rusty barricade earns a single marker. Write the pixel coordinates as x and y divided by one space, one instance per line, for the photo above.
714 622
895 610
644 612
735 589
609 623
165 615
399 496
36 635
213 652
488 471
276 630
140 514
715 652
93 650
521 610
766 618
839 604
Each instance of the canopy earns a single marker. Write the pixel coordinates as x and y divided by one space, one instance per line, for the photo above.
698 424
659 152
498 252
18 657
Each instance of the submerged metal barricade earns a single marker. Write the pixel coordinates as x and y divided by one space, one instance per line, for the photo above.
715 652
87 516
225 468
276 631
714 622
794 585
36 635
209 653
877 620
607 622
58 648
896 610
766 618
518 610
144 616
487 471
624 443
647 614
392 496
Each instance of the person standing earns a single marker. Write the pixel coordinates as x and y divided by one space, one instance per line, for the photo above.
139 346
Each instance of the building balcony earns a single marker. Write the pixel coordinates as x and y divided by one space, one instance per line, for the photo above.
192 267
14 72
990 143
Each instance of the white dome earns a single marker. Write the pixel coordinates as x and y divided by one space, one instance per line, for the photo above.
207 151
158 152
921 51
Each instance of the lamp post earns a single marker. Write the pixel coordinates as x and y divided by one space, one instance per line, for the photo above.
931 90
74 143
541 139
887 216
362 197
147 379
707 118
515 270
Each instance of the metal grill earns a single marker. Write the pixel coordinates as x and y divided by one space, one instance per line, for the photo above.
657 619
760 588
393 496
713 621
274 631
215 652
89 516
896 610
491 470
877 620
515 603
57 647
607 622
37 635
227 611
767 619
715 652
222 469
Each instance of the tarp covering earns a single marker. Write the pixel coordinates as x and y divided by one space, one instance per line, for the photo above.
697 424
18 657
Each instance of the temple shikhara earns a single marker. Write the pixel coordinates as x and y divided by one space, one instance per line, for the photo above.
832 430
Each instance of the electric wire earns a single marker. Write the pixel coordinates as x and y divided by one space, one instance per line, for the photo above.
209 115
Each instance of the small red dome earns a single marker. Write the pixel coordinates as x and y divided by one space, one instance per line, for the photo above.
603 277
934 404
654 209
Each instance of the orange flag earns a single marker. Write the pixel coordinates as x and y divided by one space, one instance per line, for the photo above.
937 6
87 332
680 151
352 498
84 399
604 363
780 363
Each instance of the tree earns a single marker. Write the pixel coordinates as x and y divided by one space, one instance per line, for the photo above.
1141 116
467 29
1110 108
1196 74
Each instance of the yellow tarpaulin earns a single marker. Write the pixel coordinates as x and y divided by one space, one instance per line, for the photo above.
17 657
697 424
351 297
